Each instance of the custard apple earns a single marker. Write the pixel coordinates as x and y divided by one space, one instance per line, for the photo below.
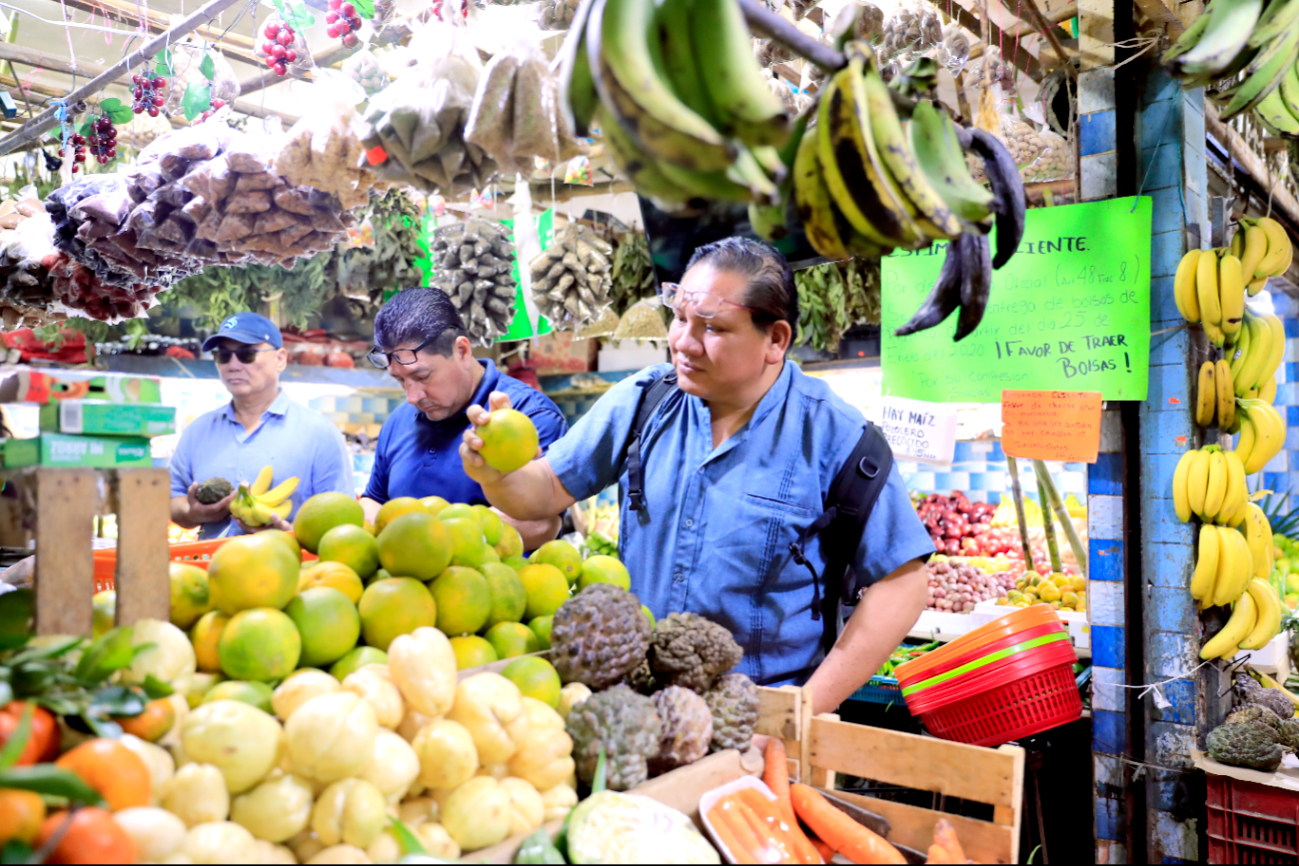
1250 692
1245 744
1255 713
687 728
733 700
599 636
688 650
628 728
213 490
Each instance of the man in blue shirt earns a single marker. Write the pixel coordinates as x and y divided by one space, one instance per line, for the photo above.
737 461
421 341
260 426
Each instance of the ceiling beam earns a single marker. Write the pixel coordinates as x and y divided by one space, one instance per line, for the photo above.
1056 17
234 45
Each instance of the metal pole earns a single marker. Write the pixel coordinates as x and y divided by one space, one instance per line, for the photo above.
48 119
769 24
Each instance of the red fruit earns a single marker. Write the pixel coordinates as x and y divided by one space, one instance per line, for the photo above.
285 38
332 31
218 103
334 5
75 168
138 109
347 9
159 101
272 30
355 21
331 17
267 46
270 61
159 83
80 157
153 111
281 69
290 56
112 152
278 52
350 40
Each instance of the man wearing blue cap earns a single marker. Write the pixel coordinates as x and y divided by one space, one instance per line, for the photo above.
260 426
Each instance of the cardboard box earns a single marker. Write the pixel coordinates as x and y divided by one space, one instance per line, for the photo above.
102 418
557 353
31 386
58 449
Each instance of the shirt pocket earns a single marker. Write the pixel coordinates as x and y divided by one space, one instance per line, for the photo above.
764 529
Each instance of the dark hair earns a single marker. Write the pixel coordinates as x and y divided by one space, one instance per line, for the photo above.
770 290
416 314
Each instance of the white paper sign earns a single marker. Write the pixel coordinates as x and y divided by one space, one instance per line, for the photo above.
920 431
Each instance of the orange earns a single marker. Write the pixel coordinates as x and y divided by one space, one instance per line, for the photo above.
206 635
562 555
395 607
43 736
515 562
357 659
89 836
510 544
536 678
604 569
491 523
434 504
415 545
323 512
509 440
509 598
472 651
546 588
288 538
511 639
252 571
352 546
335 575
468 545
152 724
541 628
115 772
190 597
328 623
254 694
464 600
458 511
21 814
260 644
394 508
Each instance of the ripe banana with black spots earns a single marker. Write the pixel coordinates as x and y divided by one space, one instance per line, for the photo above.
1226 643
1258 533
1206 394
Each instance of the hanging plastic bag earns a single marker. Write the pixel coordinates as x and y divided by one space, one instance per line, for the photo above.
364 69
283 47
197 73
323 151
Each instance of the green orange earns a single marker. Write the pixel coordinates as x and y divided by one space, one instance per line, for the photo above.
323 512
468 545
252 571
472 651
288 538
335 575
562 555
546 589
491 523
104 605
511 639
510 544
357 659
536 678
253 693
509 598
394 508
190 597
434 504
490 555
328 623
515 562
541 628
464 600
509 440
604 569
415 545
206 636
395 607
352 546
649 615
260 644
458 511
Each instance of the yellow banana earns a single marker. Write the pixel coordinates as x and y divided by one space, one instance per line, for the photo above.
1206 394
1255 250
1237 493
259 512
1181 498
1226 394
1231 293
1239 352
1245 441
1206 288
1206 565
1184 293
280 492
1268 623
263 482
1256 286
1260 349
1216 489
1269 432
283 509
1214 332
1237 245
1232 572
1276 330
1197 482
1278 248
1268 392
1226 643
1259 536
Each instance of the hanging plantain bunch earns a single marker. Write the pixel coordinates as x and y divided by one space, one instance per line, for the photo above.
215 293
833 298
363 273
633 271
862 290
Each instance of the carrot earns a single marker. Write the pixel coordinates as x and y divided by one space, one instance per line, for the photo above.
776 775
722 827
775 849
748 838
946 847
859 844
795 839
826 852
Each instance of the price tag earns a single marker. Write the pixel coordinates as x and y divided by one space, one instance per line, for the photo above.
1052 425
920 431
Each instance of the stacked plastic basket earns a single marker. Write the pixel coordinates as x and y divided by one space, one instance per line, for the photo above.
1005 680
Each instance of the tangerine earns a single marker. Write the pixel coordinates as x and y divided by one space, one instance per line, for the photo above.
21 814
89 836
251 571
510 440
151 725
415 545
464 600
206 635
335 575
394 508
323 512
259 644
328 623
395 607
115 772
43 735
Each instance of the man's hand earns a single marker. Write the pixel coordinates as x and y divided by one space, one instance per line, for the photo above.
214 513
277 522
475 466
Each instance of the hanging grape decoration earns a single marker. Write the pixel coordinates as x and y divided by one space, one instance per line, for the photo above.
149 94
277 47
344 22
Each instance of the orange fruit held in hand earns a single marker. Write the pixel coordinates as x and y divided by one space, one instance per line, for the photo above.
509 440
92 836
113 770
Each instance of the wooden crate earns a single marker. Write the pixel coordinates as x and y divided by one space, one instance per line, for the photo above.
991 776
782 713
59 506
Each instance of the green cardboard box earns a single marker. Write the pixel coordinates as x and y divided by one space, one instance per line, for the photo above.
102 418
58 449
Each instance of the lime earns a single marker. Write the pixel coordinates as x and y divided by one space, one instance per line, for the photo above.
541 628
649 615
515 562
458 511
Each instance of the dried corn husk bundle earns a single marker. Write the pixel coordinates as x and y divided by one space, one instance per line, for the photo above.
473 261
515 114
571 279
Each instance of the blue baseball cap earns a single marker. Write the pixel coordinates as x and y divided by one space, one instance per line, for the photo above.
246 328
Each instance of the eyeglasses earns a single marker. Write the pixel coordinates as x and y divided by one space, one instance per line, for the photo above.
705 305
405 357
245 356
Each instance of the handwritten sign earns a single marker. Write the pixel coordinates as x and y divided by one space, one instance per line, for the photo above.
924 432
1052 425
1070 311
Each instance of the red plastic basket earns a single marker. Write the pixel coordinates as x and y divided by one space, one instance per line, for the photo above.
996 675
194 552
982 652
1016 709
1252 823
1009 625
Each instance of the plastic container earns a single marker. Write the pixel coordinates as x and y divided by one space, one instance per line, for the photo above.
709 800
1251 823
880 690
983 652
992 676
1052 644
1018 707
1012 623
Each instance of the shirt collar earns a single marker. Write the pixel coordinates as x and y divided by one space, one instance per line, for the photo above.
279 406
775 395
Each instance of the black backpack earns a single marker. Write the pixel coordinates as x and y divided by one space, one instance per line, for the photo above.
853 494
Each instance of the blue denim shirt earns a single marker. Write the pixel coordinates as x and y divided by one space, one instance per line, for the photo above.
418 457
713 538
291 438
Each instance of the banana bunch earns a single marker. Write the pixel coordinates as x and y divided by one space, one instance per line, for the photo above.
1210 483
1224 567
1215 395
1209 289
255 504
1262 433
1264 249
1256 356
1250 46
1255 620
684 105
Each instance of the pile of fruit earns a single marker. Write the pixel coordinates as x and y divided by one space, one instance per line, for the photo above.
958 587
1060 590
1261 730
955 523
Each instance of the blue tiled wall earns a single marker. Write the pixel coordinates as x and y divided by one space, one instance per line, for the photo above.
979 469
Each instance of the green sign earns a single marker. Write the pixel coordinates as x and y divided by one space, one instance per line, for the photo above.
1070 312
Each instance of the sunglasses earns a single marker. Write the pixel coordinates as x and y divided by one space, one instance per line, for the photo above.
245 356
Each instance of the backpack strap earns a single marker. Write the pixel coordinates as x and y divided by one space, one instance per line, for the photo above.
853 494
652 395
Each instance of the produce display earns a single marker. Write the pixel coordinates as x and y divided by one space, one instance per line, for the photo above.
1061 591
955 523
474 261
833 298
1210 286
571 278
904 654
957 588
1260 730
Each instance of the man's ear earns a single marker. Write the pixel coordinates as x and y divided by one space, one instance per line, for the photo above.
781 335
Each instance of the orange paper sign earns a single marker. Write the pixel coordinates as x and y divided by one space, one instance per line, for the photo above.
1051 425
